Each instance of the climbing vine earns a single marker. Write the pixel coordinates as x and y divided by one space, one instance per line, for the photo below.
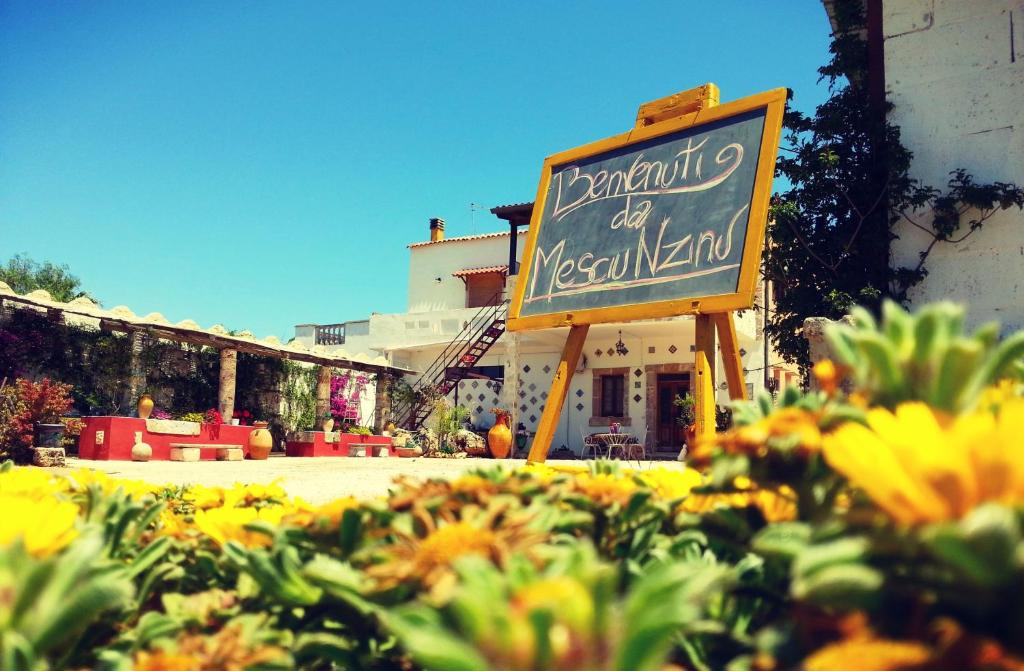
830 232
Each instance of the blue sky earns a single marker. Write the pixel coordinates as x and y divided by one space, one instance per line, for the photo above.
265 164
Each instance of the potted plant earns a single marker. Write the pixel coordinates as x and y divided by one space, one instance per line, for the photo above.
44 403
522 437
327 422
213 416
687 417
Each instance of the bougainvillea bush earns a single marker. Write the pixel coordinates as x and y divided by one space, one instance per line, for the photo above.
879 528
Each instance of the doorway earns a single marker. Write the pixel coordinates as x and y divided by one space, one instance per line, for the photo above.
669 431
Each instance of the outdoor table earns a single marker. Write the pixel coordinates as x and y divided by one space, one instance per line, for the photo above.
615 442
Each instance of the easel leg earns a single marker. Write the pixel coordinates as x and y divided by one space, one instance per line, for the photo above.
556 396
731 355
704 383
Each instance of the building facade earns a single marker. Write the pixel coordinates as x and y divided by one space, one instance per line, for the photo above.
953 71
629 373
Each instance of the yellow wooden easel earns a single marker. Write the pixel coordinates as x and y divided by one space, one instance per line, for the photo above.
711 314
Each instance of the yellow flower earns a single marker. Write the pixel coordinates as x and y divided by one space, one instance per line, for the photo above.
605 488
225 650
426 554
248 495
328 515
868 654
1001 392
165 661
450 542
33 483
228 524
172 525
777 505
203 497
45 526
474 485
671 484
829 375
794 426
922 466
136 489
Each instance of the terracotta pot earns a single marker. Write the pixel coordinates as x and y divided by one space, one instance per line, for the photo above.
328 425
499 438
260 425
409 451
145 406
141 451
690 435
260 442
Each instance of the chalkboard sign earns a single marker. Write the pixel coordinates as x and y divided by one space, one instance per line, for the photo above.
664 220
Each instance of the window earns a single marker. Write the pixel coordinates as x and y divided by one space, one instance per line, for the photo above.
612 395
609 402
484 289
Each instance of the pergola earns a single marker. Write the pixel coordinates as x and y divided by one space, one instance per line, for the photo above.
84 312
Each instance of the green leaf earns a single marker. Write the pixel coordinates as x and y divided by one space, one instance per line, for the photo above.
430 645
151 554
821 556
784 540
845 586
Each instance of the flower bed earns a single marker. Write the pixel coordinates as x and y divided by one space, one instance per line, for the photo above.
877 530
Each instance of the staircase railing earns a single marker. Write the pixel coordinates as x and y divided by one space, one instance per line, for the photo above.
437 380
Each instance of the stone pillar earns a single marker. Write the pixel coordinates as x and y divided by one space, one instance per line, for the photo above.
382 401
323 394
509 397
136 374
817 346
510 388
226 390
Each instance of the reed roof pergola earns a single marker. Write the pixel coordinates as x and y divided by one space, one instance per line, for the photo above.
84 312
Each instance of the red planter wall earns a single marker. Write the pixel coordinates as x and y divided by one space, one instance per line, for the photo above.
118 435
321 448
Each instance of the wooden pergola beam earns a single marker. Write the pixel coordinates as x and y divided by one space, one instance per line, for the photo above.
220 342
109 322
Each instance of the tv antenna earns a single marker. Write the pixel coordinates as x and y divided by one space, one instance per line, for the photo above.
473 207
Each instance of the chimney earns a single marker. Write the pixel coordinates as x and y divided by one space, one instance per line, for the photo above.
436 229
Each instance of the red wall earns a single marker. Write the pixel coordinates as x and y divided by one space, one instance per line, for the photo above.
119 436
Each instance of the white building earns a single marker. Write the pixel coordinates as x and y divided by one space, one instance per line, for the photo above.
954 73
463 280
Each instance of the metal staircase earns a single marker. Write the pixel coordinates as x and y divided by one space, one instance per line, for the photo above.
453 364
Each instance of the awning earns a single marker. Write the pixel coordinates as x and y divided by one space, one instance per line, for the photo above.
465 272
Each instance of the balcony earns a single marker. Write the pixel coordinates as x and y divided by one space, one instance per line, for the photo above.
329 334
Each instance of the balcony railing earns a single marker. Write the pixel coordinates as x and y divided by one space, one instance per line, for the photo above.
330 334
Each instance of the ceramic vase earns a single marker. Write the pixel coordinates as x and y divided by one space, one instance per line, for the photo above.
260 442
499 438
328 425
141 451
145 406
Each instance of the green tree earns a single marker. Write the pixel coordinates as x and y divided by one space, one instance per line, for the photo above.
23 275
829 234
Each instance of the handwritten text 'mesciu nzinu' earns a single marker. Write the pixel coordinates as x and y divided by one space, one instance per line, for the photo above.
645 256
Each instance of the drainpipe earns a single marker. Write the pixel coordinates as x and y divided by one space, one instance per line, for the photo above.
764 334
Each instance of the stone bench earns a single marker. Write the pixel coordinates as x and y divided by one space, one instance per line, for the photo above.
366 449
191 451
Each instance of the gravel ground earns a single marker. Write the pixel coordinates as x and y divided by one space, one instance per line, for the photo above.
316 479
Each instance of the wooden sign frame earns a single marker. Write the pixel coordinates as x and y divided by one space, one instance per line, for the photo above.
686 109
773 102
